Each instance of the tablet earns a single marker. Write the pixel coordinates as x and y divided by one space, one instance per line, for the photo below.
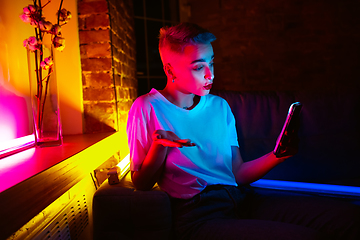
291 126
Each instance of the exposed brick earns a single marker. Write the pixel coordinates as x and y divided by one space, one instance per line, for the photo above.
95 50
282 45
126 82
93 125
101 108
117 42
81 22
92 7
94 36
122 93
99 117
123 118
98 94
133 93
98 79
117 67
87 1
96 64
124 106
117 79
100 111
98 21
83 79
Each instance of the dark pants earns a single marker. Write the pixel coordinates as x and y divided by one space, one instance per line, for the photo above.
226 212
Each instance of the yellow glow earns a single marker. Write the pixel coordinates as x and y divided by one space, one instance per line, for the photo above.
123 141
13 58
68 69
88 159
104 149
31 229
124 165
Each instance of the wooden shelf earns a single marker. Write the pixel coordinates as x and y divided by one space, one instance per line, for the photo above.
31 180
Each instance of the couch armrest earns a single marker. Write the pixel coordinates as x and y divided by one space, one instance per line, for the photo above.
120 211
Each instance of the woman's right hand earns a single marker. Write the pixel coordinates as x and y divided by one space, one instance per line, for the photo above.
170 139
154 162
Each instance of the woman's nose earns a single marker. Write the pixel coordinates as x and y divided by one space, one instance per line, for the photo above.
209 74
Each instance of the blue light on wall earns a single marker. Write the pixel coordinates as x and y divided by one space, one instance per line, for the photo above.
308 187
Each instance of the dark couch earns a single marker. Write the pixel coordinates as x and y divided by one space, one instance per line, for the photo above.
328 153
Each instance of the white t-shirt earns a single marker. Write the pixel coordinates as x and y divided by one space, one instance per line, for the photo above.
188 170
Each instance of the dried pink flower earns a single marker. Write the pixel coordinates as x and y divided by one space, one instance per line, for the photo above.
56 29
45 26
30 9
30 15
47 63
64 15
59 43
25 18
32 44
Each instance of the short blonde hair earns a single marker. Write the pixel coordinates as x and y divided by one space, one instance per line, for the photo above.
176 38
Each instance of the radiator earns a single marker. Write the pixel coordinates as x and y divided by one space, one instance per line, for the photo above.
69 223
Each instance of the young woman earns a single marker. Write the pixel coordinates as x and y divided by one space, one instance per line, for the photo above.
184 139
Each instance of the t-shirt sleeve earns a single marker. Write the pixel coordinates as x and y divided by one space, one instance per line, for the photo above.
233 138
138 134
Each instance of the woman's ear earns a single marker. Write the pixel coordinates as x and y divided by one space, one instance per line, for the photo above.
168 71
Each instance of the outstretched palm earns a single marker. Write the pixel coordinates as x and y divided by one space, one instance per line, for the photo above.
170 139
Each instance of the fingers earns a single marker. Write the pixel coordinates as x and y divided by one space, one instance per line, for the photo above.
169 139
168 143
156 136
289 148
174 143
185 142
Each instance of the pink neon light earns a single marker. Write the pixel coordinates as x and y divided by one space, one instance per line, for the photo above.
14 145
16 168
14 118
15 125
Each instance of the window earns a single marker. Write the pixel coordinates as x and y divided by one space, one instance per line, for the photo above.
150 16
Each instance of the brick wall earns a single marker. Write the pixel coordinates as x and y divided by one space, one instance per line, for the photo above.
283 45
107 48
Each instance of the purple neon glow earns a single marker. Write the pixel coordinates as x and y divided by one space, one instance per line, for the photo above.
14 120
17 168
308 187
14 145
15 126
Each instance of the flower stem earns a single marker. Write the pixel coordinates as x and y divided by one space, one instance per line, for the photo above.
46 89
58 20
39 87
46 3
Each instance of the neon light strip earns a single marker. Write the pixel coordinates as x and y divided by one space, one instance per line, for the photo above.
308 187
18 144
124 165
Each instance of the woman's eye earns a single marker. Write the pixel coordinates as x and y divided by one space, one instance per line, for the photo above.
198 68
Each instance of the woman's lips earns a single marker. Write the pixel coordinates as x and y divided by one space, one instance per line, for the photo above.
208 87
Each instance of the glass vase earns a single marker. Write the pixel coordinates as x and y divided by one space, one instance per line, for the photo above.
44 98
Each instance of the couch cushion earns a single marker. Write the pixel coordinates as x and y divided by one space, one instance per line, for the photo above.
118 208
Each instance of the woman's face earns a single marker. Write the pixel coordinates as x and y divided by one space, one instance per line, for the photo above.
194 69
